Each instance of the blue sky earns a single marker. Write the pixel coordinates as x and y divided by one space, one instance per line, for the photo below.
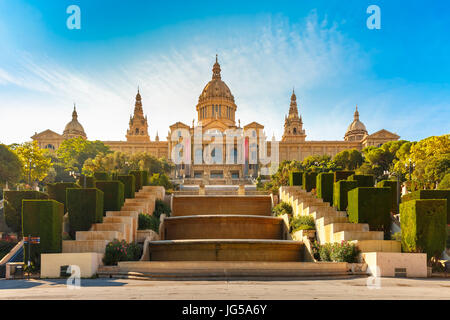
399 76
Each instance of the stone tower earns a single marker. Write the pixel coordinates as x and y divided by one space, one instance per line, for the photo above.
138 131
293 125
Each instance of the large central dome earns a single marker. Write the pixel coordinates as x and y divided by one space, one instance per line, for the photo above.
216 88
216 101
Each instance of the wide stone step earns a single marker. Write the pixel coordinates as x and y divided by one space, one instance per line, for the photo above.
78 246
220 205
225 250
358 235
222 227
222 270
99 235
378 245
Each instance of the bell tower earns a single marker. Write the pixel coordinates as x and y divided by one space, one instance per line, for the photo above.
293 124
138 131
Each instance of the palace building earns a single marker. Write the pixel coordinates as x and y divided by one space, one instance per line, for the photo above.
216 115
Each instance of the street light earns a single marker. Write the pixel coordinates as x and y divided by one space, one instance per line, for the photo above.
76 175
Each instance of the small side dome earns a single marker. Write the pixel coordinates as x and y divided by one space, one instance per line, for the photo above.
74 129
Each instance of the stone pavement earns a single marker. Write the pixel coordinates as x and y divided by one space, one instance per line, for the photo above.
348 288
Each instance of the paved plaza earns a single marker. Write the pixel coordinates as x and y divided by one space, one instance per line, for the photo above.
349 288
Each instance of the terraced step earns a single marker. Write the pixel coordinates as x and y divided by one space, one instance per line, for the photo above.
328 213
378 245
120 227
357 235
331 229
222 270
78 246
132 214
222 227
225 250
149 205
134 207
129 221
99 235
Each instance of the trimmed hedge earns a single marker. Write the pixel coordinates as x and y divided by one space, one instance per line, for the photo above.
102 175
13 206
430 194
371 205
324 185
129 184
85 207
424 226
340 193
42 218
139 179
57 191
364 180
393 185
309 181
342 175
295 178
90 182
113 194
145 178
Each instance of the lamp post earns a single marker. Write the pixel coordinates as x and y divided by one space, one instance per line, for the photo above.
76 175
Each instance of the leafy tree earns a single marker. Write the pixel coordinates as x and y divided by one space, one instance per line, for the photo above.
121 163
35 162
445 183
72 153
161 180
10 166
348 159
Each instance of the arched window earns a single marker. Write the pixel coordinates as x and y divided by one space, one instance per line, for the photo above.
137 130
295 130
50 146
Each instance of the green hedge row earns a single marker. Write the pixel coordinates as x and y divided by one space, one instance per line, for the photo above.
340 193
424 226
364 180
324 185
295 178
129 184
85 207
102 175
13 206
309 181
113 194
342 175
57 191
90 181
371 205
430 194
42 218
141 177
393 186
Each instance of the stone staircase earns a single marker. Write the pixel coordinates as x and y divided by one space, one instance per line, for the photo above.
332 225
120 225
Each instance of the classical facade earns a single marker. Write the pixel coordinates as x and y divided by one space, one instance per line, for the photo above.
210 157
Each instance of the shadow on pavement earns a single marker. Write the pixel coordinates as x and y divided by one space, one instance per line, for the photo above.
27 284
